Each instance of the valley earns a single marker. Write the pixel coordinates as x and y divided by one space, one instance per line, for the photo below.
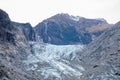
62 47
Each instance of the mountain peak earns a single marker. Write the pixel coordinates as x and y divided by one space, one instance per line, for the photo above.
67 29
3 15
74 18
66 16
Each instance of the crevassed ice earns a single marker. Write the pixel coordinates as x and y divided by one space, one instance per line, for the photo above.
53 60
48 51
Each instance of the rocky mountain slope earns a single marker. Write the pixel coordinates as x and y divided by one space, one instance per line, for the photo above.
13 49
101 58
65 29
27 30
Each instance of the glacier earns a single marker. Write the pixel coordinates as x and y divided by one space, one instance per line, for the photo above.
54 60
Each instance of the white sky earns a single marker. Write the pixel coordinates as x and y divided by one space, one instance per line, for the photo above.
34 11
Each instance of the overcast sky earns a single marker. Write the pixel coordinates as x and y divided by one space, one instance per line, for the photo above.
34 11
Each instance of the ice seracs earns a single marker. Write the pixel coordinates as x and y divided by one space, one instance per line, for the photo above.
54 60
49 51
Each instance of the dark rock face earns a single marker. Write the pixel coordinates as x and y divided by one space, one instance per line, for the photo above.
66 29
3 15
27 30
102 57
6 28
13 49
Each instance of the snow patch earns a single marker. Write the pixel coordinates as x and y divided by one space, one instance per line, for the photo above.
75 18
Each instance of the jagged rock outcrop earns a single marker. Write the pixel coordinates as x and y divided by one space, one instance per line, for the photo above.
13 49
101 58
65 29
27 30
6 27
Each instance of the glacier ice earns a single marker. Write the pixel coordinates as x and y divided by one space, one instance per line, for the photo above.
54 60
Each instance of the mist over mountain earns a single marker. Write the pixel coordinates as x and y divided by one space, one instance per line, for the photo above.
62 47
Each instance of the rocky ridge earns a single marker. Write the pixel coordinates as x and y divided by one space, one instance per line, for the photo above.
63 29
13 49
101 58
27 30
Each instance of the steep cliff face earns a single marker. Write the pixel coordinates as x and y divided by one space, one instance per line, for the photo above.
6 27
66 29
27 30
101 58
13 49
10 35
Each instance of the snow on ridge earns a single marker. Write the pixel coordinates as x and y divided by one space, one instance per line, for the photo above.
75 18
101 19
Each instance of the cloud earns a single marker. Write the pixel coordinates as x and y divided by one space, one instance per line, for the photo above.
34 11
